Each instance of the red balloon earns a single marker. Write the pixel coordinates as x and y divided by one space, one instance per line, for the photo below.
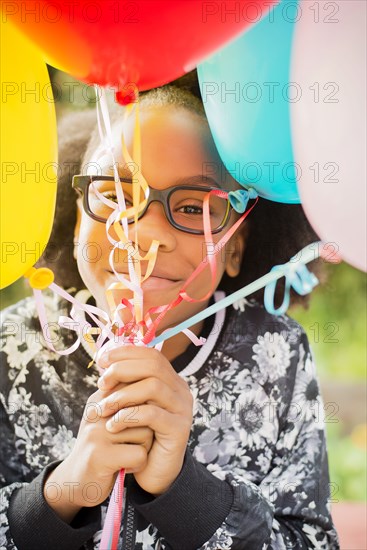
146 42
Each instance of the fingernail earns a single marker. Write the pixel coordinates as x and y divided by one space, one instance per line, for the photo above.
102 404
101 381
109 425
103 361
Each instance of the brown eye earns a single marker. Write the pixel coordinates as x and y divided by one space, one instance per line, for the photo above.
192 209
110 196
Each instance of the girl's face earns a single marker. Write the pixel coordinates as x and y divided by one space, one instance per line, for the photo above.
177 148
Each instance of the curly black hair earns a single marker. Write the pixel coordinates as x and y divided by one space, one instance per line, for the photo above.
276 231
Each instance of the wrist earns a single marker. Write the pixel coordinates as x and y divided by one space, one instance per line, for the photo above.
157 483
60 494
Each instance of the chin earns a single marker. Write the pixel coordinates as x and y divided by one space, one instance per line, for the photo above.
150 300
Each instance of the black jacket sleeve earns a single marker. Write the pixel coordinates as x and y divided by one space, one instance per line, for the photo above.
198 503
35 526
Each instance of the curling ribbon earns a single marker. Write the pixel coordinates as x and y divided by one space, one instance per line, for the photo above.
238 199
210 258
119 214
307 254
296 276
112 523
43 278
118 221
111 528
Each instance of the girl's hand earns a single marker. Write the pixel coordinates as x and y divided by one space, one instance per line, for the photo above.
146 392
86 476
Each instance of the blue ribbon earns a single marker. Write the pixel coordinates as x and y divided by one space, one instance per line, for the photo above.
240 198
296 276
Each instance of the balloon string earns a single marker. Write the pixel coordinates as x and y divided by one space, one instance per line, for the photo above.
105 131
217 248
120 214
112 523
133 327
111 528
210 258
82 329
295 265
297 276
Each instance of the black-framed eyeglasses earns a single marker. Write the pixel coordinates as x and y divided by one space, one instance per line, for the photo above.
183 204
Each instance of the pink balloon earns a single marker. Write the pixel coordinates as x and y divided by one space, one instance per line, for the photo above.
329 122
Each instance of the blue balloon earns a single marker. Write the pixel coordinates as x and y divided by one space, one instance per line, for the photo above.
247 97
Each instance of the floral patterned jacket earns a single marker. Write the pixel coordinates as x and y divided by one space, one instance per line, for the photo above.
255 474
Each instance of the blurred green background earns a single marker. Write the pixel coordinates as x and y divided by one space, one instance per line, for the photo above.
336 325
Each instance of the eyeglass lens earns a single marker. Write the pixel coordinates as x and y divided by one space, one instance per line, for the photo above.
186 206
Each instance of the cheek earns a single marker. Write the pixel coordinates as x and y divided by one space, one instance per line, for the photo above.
93 244
192 249
195 251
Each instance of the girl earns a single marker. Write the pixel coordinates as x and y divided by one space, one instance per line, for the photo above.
223 444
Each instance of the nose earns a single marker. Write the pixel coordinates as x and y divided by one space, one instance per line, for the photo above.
153 225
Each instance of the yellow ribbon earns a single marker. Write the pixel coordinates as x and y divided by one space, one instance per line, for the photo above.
140 187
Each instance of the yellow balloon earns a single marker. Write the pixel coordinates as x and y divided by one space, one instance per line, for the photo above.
28 154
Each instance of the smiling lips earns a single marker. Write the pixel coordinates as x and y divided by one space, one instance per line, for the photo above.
155 281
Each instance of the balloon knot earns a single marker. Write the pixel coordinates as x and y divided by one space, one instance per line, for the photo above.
40 278
125 97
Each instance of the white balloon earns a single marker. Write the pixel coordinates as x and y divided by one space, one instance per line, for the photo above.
329 122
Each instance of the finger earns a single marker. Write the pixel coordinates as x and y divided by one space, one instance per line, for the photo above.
150 390
134 436
99 395
125 352
162 422
132 370
126 456
92 411
96 396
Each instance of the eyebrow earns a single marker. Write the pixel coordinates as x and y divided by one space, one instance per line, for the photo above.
198 179
124 172
191 180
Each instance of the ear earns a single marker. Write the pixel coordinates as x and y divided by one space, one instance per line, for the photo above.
235 249
77 228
